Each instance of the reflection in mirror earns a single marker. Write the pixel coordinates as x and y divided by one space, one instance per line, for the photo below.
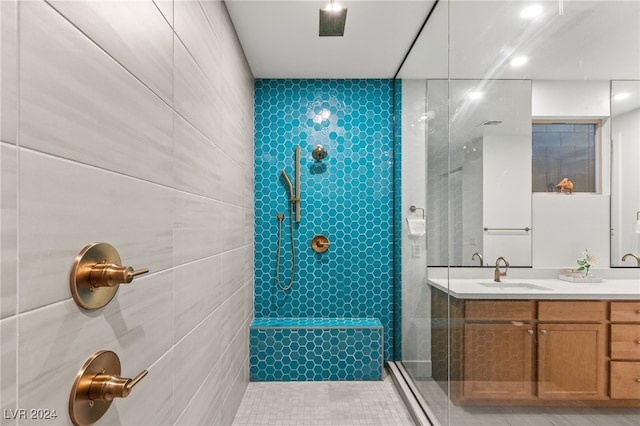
568 59
625 179
486 181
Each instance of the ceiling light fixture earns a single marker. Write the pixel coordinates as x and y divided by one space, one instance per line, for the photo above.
519 61
621 96
531 12
332 20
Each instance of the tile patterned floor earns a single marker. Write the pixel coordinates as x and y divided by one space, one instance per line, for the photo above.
450 415
322 403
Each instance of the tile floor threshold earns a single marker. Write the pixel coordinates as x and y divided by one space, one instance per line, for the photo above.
322 403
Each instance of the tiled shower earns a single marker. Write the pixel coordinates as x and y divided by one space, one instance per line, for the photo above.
132 123
347 197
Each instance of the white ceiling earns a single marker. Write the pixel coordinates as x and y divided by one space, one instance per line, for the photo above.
572 40
280 38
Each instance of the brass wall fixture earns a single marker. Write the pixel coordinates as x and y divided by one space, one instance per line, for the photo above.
320 244
319 153
96 274
95 386
294 193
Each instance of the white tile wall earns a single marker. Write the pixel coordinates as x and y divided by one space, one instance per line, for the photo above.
8 71
8 229
76 102
146 50
112 130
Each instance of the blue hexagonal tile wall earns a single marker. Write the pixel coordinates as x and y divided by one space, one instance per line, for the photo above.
315 349
348 197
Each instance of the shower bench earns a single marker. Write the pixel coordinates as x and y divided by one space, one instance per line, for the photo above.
315 349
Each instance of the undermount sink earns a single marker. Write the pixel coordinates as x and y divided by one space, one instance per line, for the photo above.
506 286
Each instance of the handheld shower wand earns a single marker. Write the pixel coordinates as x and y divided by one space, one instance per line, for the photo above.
289 184
280 217
294 208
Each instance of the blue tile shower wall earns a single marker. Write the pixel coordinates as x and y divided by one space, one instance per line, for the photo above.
348 197
302 349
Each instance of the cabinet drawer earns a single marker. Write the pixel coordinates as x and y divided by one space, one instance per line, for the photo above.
625 311
625 341
625 380
572 311
499 310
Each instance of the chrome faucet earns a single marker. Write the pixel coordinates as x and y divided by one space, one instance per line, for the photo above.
479 256
497 274
637 258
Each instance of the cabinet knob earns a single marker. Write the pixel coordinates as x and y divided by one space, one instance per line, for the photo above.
530 331
638 342
543 331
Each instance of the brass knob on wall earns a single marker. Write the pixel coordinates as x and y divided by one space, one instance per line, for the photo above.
96 385
96 274
320 244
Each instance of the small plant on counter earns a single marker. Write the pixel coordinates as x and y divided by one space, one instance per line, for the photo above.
585 262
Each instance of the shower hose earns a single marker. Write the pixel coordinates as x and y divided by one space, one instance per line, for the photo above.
293 251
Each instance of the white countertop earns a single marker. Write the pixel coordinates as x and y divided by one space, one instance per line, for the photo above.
538 288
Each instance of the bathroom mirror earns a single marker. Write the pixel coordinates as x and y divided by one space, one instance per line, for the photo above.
625 179
478 166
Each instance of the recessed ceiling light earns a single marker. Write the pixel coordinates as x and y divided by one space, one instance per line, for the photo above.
475 95
621 96
531 12
518 61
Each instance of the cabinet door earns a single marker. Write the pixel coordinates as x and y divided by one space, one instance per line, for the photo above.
498 361
571 361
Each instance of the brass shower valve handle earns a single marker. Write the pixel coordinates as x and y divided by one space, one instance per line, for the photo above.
111 275
96 274
105 387
97 384
320 244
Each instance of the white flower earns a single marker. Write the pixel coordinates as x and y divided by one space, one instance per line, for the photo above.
586 261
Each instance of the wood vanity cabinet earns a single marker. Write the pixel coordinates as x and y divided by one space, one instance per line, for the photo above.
625 350
498 350
534 351
572 350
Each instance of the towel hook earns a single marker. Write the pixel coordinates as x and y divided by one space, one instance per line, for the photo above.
414 208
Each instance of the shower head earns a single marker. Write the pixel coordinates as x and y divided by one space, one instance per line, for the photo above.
332 20
289 184
319 153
